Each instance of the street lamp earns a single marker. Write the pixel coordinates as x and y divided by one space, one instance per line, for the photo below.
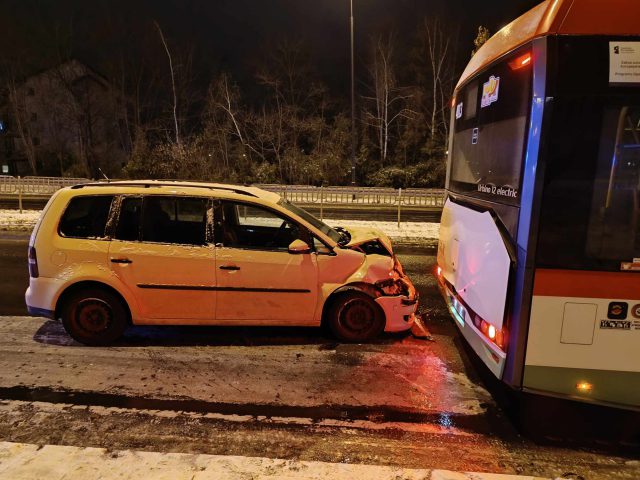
353 108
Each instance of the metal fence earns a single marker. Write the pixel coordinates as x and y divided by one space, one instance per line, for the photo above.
362 197
35 185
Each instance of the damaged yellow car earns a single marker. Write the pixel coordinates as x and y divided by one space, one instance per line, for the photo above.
106 255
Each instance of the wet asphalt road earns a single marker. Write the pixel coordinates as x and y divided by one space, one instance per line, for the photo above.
274 392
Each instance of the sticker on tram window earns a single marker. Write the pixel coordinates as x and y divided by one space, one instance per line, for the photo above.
635 311
459 110
490 91
624 63
474 136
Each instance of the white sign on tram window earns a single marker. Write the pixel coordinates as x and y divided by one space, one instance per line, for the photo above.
490 91
459 111
624 63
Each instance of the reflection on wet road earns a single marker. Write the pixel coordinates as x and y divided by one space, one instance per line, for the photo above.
272 392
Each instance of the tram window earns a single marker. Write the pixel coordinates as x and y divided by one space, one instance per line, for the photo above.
590 217
471 101
613 232
494 160
489 138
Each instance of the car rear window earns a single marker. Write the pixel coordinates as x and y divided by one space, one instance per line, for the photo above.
86 217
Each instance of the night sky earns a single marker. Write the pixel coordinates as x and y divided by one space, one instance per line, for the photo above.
233 35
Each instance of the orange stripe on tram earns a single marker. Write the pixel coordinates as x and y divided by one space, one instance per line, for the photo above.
584 284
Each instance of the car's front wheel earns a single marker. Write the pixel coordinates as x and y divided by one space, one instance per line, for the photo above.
94 316
355 317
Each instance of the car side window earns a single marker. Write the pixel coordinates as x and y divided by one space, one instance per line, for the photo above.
129 220
241 225
86 217
163 219
320 247
174 220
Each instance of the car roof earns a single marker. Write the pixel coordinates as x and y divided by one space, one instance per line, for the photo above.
219 190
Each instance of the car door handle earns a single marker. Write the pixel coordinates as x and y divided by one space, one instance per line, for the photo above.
229 267
121 260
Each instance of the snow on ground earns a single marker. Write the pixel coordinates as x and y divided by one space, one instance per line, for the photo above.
15 221
22 460
409 232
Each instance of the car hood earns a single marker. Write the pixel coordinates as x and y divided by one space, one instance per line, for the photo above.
360 235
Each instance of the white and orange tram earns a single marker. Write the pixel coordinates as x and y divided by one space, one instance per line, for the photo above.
539 252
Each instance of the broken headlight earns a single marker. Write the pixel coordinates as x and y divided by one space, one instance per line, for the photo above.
395 285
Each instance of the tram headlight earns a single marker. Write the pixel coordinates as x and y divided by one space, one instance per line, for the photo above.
492 332
496 335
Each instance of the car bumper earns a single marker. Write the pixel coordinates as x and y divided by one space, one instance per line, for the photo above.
399 311
41 296
40 312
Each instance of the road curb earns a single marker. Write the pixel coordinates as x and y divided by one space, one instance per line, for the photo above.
28 461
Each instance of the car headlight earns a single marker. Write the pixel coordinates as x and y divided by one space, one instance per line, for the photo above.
393 286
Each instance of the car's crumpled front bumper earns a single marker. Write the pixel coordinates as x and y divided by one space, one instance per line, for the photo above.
400 310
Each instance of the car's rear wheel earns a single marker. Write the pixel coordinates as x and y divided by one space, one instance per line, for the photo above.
355 317
94 316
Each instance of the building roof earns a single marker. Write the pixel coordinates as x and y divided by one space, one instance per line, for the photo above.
559 17
69 70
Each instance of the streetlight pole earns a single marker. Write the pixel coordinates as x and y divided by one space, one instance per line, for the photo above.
353 108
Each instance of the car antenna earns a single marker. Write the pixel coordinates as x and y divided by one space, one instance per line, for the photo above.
102 173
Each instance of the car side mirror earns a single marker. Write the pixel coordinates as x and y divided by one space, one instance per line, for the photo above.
298 247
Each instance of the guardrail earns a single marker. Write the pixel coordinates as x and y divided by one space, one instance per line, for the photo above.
387 198
34 186
411 197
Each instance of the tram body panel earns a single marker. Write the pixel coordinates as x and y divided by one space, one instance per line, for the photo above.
585 346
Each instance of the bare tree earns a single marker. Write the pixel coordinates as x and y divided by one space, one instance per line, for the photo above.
438 44
17 100
224 96
173 84
294 96
387 101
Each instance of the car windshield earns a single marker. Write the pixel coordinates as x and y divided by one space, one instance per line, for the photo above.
316 222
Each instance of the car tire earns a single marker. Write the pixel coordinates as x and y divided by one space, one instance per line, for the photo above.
355 317
94 317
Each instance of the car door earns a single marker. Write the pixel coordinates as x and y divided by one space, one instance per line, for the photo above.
258 280
161 252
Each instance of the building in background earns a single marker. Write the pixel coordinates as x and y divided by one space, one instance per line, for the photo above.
67 120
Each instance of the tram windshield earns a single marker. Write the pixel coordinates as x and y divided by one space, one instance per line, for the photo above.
490 131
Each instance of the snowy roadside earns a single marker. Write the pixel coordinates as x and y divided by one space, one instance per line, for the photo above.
14 221
21 460
408 233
